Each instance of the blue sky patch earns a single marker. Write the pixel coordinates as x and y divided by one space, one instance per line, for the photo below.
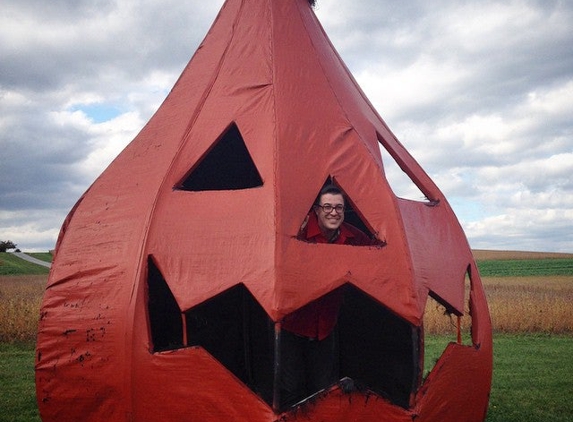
98 113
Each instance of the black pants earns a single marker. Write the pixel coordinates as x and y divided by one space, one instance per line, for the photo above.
306 366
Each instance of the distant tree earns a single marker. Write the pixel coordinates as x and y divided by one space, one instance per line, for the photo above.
6 244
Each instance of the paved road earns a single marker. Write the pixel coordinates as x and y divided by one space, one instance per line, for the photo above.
32 259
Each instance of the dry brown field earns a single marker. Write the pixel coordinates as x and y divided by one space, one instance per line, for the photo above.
484 255
20 299
517 304
536 304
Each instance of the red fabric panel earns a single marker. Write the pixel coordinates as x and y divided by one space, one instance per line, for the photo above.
458 386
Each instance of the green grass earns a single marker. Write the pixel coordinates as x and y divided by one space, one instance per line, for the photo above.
12 265
532 379
17 390
526 267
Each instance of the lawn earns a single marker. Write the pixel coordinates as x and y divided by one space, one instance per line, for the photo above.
12 265
532 379
18 398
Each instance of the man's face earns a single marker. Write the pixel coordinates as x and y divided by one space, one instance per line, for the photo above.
330 221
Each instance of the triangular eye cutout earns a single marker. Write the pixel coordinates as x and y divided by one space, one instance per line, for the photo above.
352 217
398 178
226 166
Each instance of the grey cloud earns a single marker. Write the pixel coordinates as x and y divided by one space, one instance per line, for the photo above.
38 159
60 10
496 67
151 36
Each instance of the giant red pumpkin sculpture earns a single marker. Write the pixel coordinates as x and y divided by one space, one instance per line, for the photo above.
175 269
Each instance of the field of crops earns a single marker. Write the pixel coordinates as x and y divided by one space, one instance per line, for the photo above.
490 255
526 267
20 299
534 304
523 264
527 293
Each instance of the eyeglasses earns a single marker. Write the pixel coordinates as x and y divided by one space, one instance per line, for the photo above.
327 208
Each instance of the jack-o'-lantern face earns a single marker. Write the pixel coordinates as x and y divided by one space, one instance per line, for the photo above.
377 350
180 271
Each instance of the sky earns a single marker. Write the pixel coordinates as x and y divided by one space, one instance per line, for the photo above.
480 92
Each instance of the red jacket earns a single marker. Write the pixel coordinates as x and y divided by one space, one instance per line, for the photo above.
317 319
349 235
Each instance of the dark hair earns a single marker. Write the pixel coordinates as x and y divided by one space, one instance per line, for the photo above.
331 189
312 2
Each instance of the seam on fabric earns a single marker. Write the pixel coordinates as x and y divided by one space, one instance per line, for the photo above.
271 4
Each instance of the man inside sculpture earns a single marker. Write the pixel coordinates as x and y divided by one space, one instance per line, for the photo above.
325 222
309 343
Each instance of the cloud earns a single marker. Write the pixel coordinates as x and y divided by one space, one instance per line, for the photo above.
479 92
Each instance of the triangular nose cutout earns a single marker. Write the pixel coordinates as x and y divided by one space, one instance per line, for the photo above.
351 215
226 166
